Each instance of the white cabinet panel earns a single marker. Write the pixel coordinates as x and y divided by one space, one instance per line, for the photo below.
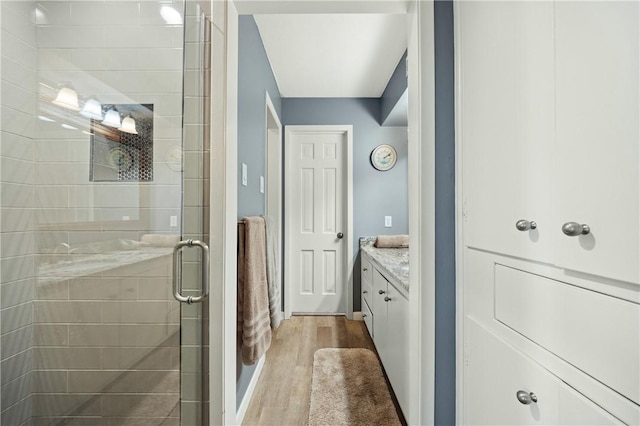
367 316
508 123
398 345
494 372
598 136
575 324
380 325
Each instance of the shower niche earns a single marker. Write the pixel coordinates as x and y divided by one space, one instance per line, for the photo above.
123 151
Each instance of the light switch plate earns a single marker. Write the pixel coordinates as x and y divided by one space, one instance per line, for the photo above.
262 184
173 221
244 174
387 221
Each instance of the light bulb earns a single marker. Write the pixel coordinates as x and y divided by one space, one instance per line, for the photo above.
67 98
128 125
92 109
112 118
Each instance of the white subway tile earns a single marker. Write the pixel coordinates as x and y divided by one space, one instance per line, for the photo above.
18 50
51 334
17 244
18 25
70 37
16 317
16 293
55 59
25 9
50 381
167 59
17 122
16 73
17 219
18 98
16 366
54 13
16 268
48 196
52 150
16 195
17 171
15 342
102 14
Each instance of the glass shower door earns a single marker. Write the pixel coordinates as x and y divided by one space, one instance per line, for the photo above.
103 161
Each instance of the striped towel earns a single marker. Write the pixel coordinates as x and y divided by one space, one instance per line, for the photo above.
254 323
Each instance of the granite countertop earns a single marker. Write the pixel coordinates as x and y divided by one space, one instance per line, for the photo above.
394 261
80 265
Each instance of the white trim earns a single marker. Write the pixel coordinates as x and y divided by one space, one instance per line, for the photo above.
225 209
421 152
357 316
459 176
348 233
246 400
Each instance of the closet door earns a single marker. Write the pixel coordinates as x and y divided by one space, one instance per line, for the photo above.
597 156
506 58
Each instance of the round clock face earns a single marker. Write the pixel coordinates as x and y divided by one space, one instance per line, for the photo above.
120 159
174 158
384 157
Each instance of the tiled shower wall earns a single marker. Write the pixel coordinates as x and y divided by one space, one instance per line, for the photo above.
107 343
17 222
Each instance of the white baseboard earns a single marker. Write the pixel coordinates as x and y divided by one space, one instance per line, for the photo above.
244 405
357 316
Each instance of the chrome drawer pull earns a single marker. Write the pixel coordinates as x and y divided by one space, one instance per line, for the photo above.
573 229
365 269
365 292
387 298
380 291
364 315
526 398
525 225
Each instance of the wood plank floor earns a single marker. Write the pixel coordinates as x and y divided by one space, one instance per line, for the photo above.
282 394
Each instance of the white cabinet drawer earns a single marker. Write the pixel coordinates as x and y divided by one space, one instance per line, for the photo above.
594 332
367 291
367 316
494 372
366 268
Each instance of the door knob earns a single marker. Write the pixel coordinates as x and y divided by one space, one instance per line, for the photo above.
573 229
340 235
525 397
525 225
380 291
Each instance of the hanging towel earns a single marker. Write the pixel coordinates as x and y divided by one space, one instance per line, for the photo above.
254 324
273 273
392 241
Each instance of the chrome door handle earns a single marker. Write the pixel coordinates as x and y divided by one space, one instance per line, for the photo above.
380 291
526 398
525 225
573 229
340 235
177 272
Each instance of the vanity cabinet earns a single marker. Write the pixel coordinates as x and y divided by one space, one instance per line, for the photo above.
549 134
388 325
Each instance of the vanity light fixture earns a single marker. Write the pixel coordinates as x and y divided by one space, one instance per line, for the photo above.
67 98
128 125
92 109
112 118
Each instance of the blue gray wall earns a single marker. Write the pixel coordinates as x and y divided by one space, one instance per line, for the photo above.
376 194
396 87
445 356
255 78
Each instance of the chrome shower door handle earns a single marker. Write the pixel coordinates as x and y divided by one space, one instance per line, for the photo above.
177 272
525 225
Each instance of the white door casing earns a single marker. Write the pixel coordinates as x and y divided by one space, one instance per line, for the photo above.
318 208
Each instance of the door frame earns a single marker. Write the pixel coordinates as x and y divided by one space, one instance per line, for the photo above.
273 172
421 191
348 262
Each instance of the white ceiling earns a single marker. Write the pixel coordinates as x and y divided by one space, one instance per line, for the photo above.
333 55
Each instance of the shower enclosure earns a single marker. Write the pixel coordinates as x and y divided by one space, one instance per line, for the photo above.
104 149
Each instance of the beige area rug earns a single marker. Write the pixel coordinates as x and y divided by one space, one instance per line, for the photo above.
348 388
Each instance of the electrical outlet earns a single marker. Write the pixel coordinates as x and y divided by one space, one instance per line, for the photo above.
244 174
387 221
173 221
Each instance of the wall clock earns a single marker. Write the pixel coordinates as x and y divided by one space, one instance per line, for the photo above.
383 157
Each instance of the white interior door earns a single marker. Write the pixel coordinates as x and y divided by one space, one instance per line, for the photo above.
316 212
